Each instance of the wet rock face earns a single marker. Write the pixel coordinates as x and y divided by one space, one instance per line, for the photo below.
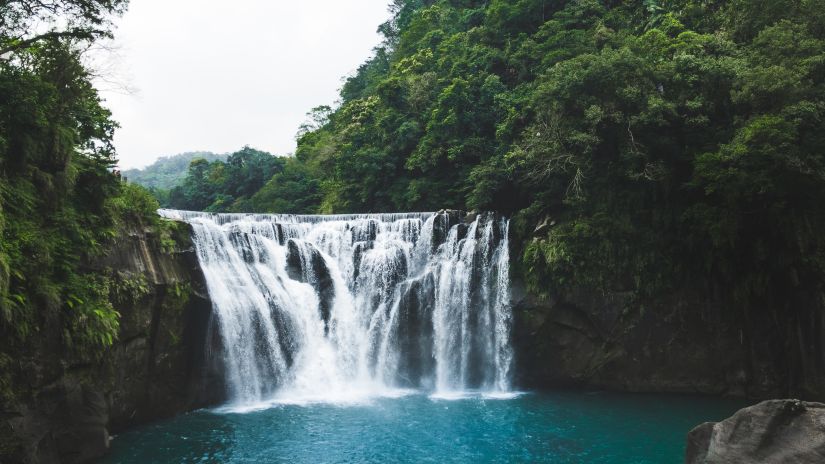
68 424
445 221
360 249
161 364
83 435
294 266
771 432
241 242
305 264
158 367
416 340
586 339
365 233
685 342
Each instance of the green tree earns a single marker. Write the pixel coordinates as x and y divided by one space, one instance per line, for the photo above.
60 200
85 20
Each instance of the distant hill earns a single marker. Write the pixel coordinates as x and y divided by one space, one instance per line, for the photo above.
168 171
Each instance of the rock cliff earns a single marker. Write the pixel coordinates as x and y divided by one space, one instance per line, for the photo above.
158 367
684 342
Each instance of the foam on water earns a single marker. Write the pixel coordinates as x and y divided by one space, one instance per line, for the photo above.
346 308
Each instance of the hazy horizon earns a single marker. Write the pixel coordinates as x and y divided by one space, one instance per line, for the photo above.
277 61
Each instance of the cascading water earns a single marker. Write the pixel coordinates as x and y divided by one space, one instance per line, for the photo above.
314 307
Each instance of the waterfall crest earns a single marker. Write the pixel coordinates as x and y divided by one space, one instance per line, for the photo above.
311 306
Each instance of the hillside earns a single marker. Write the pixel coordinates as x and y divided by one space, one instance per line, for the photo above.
649 149
61 206
584 199
168 171
666 140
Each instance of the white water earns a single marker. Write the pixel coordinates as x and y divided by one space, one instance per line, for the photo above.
348 307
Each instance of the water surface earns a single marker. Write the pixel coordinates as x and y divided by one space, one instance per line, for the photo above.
558 427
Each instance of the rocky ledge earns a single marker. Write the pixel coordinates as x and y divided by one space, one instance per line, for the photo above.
771 432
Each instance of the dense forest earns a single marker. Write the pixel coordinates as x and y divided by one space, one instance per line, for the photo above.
239 183
639 148
61 201
637 145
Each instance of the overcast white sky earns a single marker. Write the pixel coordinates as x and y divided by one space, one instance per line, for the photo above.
210 75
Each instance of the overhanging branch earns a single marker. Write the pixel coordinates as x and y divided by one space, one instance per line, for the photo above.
84 34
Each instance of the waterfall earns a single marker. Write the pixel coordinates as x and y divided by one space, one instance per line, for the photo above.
312 306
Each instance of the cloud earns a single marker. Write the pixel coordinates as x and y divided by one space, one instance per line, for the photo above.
216 76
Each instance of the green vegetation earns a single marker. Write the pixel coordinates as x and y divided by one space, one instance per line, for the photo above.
225 186
168 172
661 141
656 142
247 181
61 203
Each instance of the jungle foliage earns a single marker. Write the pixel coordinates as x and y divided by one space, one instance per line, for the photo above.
662 141
636 145
224 185
61 204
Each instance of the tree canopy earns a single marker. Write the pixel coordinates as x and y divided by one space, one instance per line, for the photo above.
167 171
664 140
27 23
61 204
223 185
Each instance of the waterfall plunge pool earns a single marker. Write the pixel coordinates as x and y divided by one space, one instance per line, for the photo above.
551 427
332 326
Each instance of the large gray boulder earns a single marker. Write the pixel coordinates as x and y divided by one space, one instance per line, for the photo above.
774 431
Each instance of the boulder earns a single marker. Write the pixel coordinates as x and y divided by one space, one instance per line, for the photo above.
771 432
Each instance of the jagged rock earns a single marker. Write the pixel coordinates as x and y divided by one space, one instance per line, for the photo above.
442 224
240 240
771 432
312 269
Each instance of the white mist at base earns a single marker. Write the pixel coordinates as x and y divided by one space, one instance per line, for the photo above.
346 308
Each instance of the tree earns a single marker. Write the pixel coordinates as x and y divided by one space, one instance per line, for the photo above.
220 185
84 20
295 190
317 118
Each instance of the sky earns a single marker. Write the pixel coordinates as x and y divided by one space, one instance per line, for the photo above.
192 75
